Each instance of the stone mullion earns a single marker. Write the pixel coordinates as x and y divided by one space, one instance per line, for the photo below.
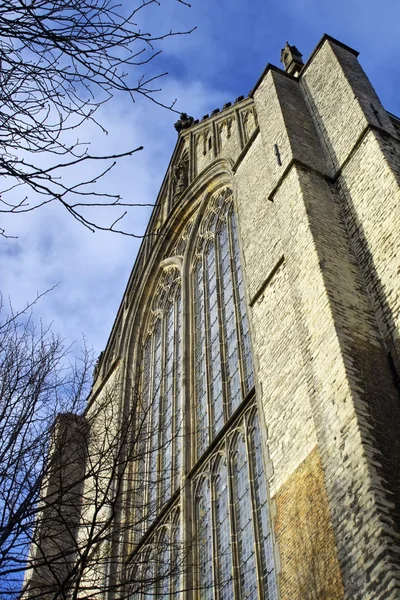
149 418
144 428
175 399
161 410
222 340
186 450
207 350
156 413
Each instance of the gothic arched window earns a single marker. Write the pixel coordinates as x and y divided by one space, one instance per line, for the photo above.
224 509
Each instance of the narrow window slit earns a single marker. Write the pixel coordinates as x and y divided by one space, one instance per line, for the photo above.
278 155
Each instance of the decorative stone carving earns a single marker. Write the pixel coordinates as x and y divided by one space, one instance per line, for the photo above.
96 369
226 123
183 123
179 247
180 178
203 137
249 120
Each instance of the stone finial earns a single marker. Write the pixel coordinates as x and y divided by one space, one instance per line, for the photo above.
96 369
184 122
292 59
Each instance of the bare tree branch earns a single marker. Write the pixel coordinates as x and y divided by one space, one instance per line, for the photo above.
70 483
61 60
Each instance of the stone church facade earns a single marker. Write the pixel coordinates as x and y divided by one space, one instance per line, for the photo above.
260 332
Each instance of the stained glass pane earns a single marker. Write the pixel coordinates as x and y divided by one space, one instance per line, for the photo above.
176 558
139 469
229 321
178 376
166 421
204 542
244 524
262 510
243 322
148 587
200 362
154 424
223 533
164 568
213 341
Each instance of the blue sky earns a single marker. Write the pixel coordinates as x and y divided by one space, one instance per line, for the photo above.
221 60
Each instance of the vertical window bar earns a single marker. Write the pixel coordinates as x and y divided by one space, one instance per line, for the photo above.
154 425
223 543
204 542
202 421
216 403
167 398
177 411
228 313
261 513
244 523
142 426
243 329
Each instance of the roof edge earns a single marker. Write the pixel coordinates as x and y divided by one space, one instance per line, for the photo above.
271 67
327 38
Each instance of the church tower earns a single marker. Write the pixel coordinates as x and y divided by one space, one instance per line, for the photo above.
250 384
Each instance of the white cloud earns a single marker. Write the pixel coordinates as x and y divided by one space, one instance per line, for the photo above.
91 270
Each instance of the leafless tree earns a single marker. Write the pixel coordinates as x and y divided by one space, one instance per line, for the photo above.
35 383
60 61
71 511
